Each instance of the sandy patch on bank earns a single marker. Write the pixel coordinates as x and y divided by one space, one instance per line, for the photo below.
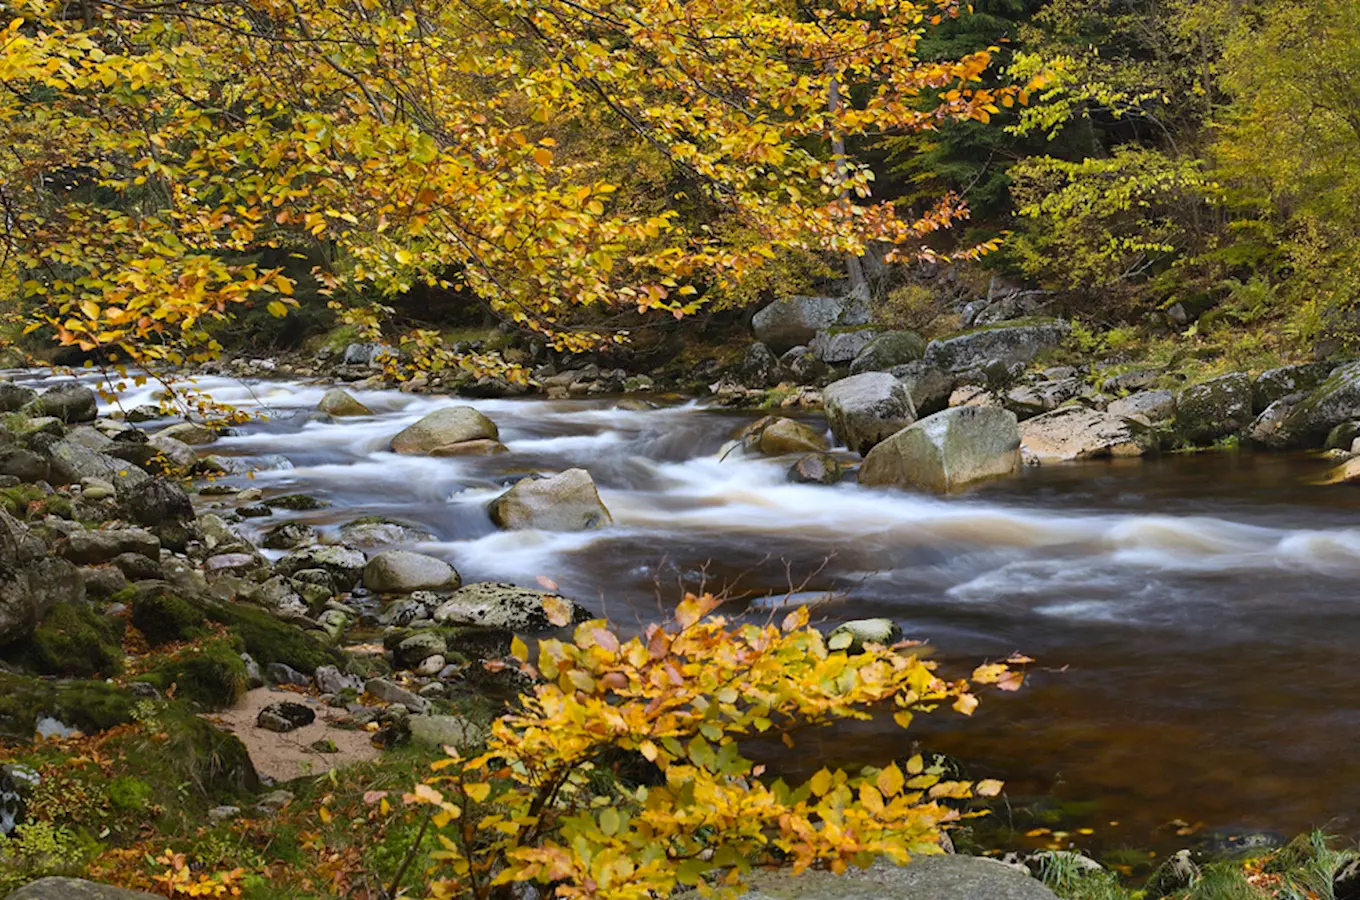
284 757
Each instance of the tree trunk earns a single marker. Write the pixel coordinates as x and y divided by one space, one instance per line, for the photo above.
854 267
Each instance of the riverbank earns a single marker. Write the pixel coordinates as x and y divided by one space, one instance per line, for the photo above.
1067 562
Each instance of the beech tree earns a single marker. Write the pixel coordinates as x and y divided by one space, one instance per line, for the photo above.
168 160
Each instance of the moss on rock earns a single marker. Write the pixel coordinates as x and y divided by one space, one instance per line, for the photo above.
164 617
72 640
91 706
211 676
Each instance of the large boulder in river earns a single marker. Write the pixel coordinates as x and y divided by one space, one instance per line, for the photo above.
1075 432
924 878
451 425
70 403
1005 345
340 402
404 572
496 605
1334 401
865 409
888 349
787 323
567 501
947 451
1213 409
32 580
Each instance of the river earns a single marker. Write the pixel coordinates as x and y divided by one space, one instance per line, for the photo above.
1195 618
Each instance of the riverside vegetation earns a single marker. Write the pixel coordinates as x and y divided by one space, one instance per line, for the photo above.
975 239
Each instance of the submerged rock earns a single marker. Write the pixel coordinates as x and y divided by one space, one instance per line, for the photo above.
863 410
947 451
1076 432
567 501
451 425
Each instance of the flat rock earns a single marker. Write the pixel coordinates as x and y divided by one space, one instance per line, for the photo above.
1075 432
498 605
1146 406
445 731
1004 345
88 547
925 878
54 888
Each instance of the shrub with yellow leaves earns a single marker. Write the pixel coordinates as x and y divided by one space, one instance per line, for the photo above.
683 697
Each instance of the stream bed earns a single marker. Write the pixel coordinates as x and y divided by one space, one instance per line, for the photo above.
1196 619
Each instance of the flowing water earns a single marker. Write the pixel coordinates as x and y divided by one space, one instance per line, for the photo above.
1196 618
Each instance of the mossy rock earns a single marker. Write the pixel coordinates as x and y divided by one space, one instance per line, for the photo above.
16 500
164 617
296 502
91 706
211 676
270 640
72 640
265 637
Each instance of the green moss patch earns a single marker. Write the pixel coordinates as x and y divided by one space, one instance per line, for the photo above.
72 640
211 676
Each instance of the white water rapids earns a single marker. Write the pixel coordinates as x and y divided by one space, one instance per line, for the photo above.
1200 612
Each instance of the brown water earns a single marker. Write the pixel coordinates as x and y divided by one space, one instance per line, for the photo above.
1196 618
